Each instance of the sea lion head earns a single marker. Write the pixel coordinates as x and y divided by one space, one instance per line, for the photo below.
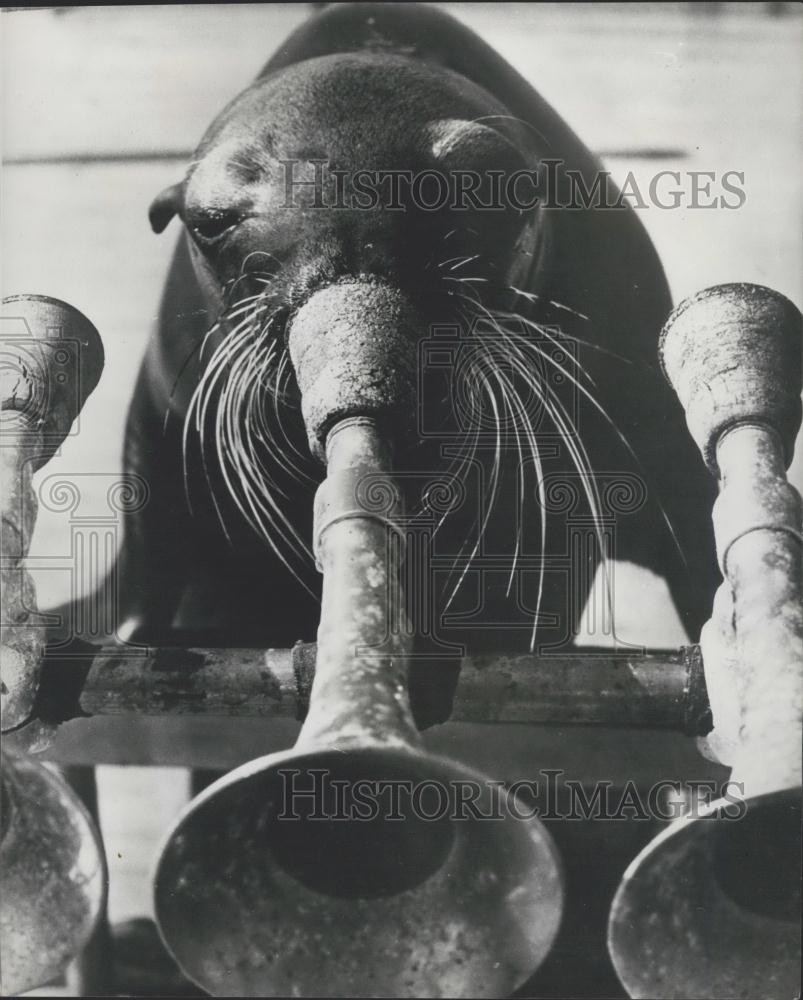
358 164
291 194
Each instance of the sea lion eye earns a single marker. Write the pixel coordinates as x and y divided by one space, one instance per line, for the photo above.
213 225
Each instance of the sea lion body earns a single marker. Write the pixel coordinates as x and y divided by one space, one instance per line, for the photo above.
382 88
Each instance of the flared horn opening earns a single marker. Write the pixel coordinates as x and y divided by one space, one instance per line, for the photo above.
361 873
711 908
54 876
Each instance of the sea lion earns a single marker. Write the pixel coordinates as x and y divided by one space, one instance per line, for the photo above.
538 383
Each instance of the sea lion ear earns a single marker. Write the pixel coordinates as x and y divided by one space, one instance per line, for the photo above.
165 205
457 140
462 139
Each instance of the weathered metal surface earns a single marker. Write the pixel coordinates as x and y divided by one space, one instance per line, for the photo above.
353 350
192 681
732 354
661 689
758 523
711 908
53 873
238 900
359 693
596 687
52 360
259 891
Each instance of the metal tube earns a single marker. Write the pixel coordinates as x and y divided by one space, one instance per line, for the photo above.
359 692
757 522
663 689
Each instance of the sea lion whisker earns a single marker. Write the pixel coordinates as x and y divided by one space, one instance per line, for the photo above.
215 370
249 305
261 425
499 318
468 458
209 333
619 433
535 297
203 391
261 253
457 473
509 401
197 409
284 374
522 426
588 479
248 492
517 343
257 519
457 465
250 315
216 328
231 285
565 426
472 300
493 486
235 402
230 288
522 345
264 522
241 433
451 260
577 340
467 260
284 370
257 429
459 261
496 326
229 299
532 442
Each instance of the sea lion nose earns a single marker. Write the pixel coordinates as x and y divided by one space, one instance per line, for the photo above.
354 346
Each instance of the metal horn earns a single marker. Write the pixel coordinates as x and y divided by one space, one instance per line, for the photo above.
711 908
252 901
52 865
54 875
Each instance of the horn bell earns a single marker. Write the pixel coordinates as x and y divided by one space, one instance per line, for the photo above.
253 903
54 877
711 907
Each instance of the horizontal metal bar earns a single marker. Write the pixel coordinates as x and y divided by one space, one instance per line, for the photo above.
186 155
663 689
